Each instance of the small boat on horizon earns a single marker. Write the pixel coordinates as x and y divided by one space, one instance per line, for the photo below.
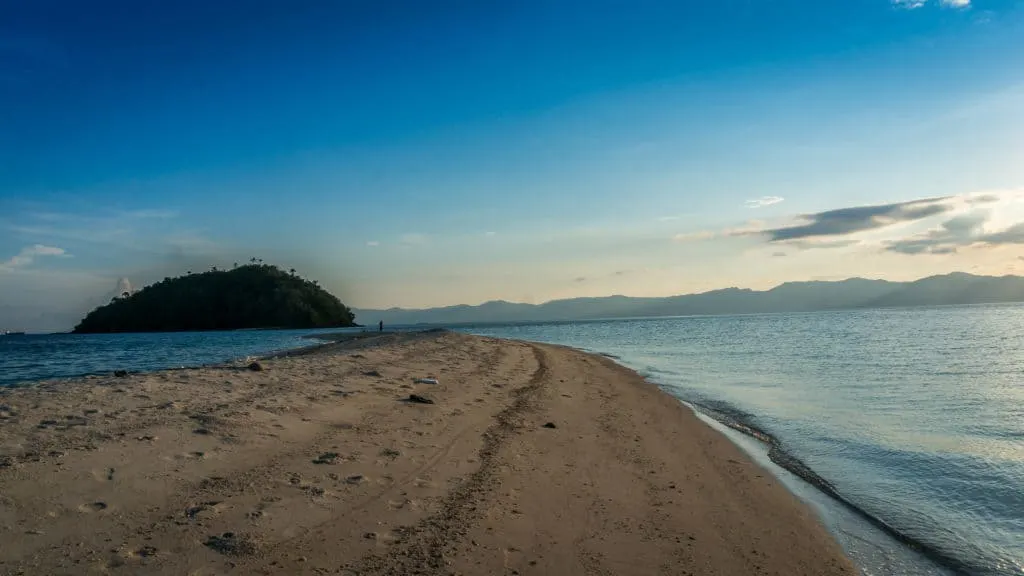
10 333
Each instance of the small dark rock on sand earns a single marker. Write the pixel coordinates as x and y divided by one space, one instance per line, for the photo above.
256 367
417 399
372 373
147 551
550 425
231 544
120 373
326 458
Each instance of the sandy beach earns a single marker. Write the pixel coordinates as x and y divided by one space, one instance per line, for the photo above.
526 459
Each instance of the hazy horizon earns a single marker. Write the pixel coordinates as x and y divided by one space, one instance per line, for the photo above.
722 288
420 156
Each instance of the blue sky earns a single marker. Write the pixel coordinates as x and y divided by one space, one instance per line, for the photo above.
420 154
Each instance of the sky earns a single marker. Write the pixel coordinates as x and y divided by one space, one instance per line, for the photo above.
420 154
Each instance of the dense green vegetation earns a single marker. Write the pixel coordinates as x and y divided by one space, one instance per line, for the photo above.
251 296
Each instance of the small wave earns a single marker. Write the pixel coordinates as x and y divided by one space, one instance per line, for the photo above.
741 422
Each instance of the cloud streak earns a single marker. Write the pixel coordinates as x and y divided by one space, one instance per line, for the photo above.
915 4
845 221
764 201
413 239
28 255
962 231
694 236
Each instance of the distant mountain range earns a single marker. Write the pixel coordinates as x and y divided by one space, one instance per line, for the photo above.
948 289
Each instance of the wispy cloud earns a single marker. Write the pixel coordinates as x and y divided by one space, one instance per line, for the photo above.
964 222
694 236
372 243
845 221
958 231
28 255
764 201
490 234
191 242
413 239
915 4
149 213
120 227
667 218
956 234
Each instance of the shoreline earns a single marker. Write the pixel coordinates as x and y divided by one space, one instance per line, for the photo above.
249 471
794 465
737 422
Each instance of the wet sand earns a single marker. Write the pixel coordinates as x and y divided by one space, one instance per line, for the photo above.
532 459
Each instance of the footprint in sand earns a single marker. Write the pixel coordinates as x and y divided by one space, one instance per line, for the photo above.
314 491
104 475
404 504
356 479
382 538
93 507
203 510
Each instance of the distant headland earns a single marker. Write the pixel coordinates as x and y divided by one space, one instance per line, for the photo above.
251 296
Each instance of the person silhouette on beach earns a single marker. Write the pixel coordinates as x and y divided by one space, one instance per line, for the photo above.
380 326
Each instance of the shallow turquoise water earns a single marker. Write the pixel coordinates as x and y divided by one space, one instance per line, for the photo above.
915 416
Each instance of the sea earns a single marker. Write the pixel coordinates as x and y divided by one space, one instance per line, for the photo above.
34 357
902 428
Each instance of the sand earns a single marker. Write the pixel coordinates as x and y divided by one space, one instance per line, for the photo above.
532 460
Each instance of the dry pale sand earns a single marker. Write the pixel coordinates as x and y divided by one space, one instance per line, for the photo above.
317 466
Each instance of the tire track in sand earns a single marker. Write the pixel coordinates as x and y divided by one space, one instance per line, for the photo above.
423 547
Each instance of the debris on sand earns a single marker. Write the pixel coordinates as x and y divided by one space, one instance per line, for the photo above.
550 425
232 544
417 399
256 367
426 381
327 458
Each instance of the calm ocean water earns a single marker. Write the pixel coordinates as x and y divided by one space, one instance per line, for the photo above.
38 357
915 416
